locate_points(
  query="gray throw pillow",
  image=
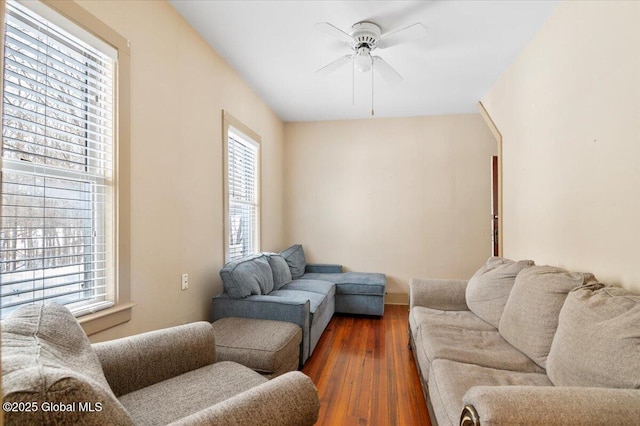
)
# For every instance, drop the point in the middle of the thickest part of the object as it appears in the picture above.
(280, 270)
(294, 256)
(530, 317)
(489, 288)
(246, 276)
(597, 343)
(47, 358)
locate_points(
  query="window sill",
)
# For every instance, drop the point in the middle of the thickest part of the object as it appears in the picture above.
(107, 318)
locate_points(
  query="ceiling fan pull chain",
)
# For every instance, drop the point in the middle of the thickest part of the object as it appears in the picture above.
(372, 65)
(353, 80)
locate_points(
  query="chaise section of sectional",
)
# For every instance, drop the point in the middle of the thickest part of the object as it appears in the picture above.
(360, 293)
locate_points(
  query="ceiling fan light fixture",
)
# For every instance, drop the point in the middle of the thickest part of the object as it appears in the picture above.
(363, 60)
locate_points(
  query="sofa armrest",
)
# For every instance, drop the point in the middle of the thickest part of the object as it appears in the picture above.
(138, 361)
(550, 405)
(287, 400)
(446, 295)
(323, 268)
(295, 310)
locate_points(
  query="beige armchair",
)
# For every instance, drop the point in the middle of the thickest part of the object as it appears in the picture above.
(51, 374)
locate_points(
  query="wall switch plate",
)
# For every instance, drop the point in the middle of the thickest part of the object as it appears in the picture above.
(185, 281)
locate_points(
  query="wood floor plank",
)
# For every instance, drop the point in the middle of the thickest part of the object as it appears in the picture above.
(365, 373)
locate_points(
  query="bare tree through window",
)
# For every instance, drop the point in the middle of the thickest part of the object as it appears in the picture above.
(242, 175)
(57, 133)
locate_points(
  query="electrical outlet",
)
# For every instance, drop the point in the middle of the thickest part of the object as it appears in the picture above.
(185, 281)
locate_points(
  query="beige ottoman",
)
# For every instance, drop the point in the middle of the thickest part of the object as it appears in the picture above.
(269, 347)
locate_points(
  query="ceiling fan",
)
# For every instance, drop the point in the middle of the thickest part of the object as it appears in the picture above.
(363, 39)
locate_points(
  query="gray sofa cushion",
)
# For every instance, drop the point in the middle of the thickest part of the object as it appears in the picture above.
(598, 340)
(246, 276)
(280, 270)
(315, 299)
(449, 381)
(353, 282)
(294, 256)
(315, 286)
(481, 347)
(419, 316)
(530, 317)
(47, 358)
(489, 288)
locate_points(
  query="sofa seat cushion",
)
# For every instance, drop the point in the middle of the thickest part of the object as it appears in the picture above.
(597, 343)
(314, 286)
(432, 318)
(450, 380)
(47, 358)
(481, 347)
(530, 317)
(489, 288)
(189, 393)
(366, 283)
(316, 300)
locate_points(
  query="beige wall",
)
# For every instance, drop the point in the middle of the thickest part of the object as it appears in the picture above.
(569, 113)
(405, 196)
(179, 87)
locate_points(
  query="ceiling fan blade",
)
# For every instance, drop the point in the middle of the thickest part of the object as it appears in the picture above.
(332, 66)
(409, 33)
(333, 31)
(386, 71)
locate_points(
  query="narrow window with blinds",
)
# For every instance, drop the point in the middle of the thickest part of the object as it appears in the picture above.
(242, 189)
(57, 217)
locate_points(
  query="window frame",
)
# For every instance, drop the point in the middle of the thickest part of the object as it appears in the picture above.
(121, 311)
(231, 123)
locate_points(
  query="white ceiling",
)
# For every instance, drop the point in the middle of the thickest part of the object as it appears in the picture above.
(274, 47)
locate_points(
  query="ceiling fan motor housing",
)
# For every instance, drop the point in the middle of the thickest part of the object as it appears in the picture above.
(365, 34)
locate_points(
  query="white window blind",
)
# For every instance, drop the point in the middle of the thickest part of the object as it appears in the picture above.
(57, 229)
(242, 188)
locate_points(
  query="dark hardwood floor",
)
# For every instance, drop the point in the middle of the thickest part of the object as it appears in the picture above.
(365, 373)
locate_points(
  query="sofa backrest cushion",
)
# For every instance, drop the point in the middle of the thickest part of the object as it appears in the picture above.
(530, 317)
(246, 276)
(489, 288)
(48, 363)
(597, 343)
(294, 256)
(280, 270)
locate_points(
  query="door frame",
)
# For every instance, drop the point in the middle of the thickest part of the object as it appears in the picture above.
(498, 137)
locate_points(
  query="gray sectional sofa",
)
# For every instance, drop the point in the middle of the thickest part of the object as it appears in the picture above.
(52, 375)
(526, 344)
(283, 287)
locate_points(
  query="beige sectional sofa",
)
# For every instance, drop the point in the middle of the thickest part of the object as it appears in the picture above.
(526, 344)
(52, 375)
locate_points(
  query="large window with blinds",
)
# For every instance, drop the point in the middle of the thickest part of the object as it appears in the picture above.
(242, 194)
(57, 215)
